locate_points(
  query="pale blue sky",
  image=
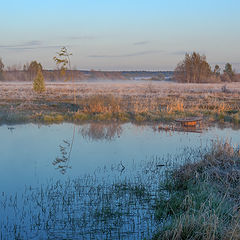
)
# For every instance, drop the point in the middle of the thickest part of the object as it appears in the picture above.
(120, 34)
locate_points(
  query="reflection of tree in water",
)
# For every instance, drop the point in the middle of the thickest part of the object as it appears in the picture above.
(99, 131)
(94, 131)
(63, 163)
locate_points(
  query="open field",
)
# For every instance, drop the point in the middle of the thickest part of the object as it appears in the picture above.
(130, 101)
(23, 90)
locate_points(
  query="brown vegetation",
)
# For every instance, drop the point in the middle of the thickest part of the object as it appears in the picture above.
(39, 83)
(195, 69)
(123, 102)
(203, 198)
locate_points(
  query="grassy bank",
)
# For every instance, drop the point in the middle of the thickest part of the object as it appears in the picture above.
(135, 102)
(201, 200)
(122, 109)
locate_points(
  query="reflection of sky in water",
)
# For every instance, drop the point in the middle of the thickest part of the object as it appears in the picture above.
(27, 152)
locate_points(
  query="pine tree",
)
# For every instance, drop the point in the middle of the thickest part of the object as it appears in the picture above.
(39, 83)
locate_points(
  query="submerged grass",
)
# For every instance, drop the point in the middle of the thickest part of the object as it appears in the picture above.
(198, 200)
(94, 206)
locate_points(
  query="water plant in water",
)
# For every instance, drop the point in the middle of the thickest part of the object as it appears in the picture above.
(90, 207)
(193, 195)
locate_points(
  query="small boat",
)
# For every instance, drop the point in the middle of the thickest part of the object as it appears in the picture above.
(189, 122)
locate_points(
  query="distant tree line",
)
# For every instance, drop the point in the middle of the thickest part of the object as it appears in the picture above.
(28, 71)
(195, 69)
(16, 74)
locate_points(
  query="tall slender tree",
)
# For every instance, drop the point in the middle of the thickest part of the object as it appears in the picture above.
(63, 63)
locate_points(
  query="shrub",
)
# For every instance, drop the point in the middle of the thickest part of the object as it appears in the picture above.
(78, 116)
(53, 118)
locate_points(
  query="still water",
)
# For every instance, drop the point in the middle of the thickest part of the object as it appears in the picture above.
(91, 181)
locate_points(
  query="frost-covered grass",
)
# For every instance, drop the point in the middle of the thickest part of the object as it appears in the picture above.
(134, 88)
(120, 101)
(203, 198)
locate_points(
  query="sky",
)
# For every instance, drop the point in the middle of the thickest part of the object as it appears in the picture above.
(120, 34)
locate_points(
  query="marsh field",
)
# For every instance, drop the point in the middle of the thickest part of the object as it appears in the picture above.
(122, 101)
(115, 165)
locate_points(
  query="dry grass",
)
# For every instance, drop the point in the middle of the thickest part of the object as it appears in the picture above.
(204, 198)
(135, 101)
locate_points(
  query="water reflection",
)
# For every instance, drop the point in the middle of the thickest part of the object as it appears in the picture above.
(87, 203)
(11, 129)
(170, 128)
(93, 131)
(224, 125)
(62, 163)
(97, 132)
(100, 131)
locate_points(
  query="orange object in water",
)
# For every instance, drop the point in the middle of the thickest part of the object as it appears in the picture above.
(186, 124)
(189, 122)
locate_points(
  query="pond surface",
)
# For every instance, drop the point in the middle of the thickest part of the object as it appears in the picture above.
(91, 181)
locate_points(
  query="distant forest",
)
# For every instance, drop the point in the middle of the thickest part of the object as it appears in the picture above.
(194, 68)
(28, 73)
(55, 75)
